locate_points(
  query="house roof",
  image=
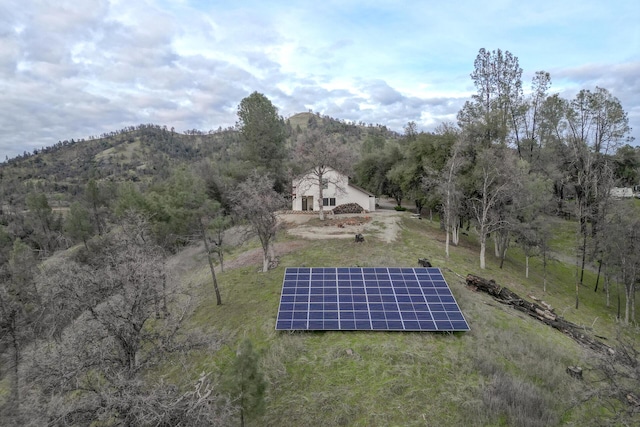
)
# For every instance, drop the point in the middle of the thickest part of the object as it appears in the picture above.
(310, 171)
(362, 190)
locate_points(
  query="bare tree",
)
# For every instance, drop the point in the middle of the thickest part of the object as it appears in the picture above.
(451, 195)
(212, 226)
(619, 374)
(19, 310)
(257, 202)
(532, 114)
(205, 239)
(96, 199)
(96, 370)
(596, 125)
(320, 155)
(497, 179)
(622, 253)
(13, 331)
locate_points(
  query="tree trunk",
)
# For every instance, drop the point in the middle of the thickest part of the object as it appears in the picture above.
(455, 233)
(97, 219)
(13, 330)
(607, 286)
(627, 304)
(633, 304)
(598, 277)
(504, 245)
(447, 229)
(265, 262)
(483, 247)
(446, 243)
(267, 256)
(526, 269)
(577, 278)
(320, 198)
(619, 302)
(582, 230)
(544, 271)
(211, 266)
(584, 256)
(165, 309)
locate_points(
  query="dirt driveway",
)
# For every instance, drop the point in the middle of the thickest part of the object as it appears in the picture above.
(382, 224)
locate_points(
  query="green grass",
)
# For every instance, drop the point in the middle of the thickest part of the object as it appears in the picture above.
(508, 370)
(123, 151)
(300, 119)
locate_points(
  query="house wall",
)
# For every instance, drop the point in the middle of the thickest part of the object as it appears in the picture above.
(620, 192)
(363, 199)
(337, 187)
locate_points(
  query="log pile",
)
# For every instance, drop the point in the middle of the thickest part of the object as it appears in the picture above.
(542, 313)
(348, 208)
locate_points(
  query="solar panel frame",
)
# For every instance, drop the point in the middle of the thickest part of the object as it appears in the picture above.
(368, 298)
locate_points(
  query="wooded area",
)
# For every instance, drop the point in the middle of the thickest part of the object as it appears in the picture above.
(86, 227)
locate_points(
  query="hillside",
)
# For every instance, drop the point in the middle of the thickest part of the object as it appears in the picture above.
(508, 370)
(141, 154)
(145, 154)
(148, 196)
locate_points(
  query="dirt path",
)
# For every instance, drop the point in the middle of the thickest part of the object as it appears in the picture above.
(383, 225)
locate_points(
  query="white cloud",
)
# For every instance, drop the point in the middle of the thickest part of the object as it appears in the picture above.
(75, 69)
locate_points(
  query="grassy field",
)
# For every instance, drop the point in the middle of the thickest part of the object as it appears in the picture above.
(508, 370)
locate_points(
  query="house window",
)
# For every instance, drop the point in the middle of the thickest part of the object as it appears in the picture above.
(325, 183)
(329, 201)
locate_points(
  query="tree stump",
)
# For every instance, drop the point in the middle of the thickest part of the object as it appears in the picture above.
(423, 262)
(575, 372)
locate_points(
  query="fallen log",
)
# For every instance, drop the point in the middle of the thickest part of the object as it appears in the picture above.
(538, 312)
(487, 286)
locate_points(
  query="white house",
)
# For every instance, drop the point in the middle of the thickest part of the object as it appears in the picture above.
(336, 191)
(621, 193)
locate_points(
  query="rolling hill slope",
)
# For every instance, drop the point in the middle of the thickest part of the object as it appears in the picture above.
(508, 370)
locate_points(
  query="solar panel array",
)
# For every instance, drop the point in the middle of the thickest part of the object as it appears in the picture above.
(377, 298)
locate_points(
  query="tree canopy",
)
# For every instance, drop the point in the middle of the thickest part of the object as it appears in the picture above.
(263, 134)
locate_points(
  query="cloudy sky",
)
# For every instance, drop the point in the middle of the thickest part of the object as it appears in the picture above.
(71, 69)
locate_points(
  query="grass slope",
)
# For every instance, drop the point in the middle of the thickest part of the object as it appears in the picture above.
(508, 370)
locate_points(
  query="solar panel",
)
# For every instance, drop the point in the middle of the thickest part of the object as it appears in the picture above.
(368, 298)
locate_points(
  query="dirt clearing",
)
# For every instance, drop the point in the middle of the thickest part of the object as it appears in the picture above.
(383, 225)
